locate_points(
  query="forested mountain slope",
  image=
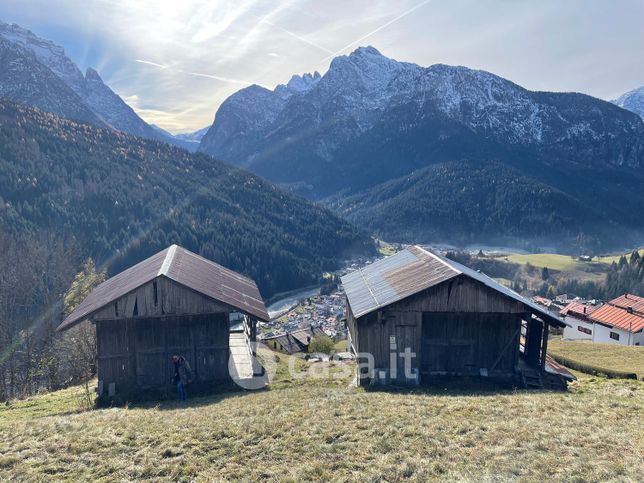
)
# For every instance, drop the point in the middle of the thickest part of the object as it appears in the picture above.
(120, 194)
(466, 202)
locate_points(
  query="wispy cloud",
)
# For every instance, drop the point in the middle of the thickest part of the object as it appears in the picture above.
(375, 31)
(222, 79)
(149, 62)
(298, 37)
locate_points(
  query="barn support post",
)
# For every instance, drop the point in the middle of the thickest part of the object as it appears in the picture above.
(525, 329)
(544, 345)
(534, 342)
(99, 368)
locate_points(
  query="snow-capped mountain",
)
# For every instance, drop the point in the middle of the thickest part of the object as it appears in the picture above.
(97, 96)
(297, 85)
(365, 93)
(24, 79)
(370, 122)
(632, 100)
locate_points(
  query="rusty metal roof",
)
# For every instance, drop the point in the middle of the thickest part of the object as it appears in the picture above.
(624, 312)
(217, 282)
(411, 271)
(553, 367)
(183, 267)
(542, 301)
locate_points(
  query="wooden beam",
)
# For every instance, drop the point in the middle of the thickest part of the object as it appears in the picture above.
(544, 345)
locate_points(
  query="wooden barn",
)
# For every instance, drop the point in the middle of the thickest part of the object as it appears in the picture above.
(452, 319)
(175, 302)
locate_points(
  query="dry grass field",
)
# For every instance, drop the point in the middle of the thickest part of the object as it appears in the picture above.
(310, 429)
(609, 356)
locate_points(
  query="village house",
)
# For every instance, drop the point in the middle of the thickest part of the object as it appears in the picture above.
(620, 321)
(173, 303)
(563, 298)
(293, 342)
(577, 315)
(546, 302)
(453, 320)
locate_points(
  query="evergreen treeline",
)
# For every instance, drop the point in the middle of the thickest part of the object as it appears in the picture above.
(625, 276)
(125, 198)
(468, 202)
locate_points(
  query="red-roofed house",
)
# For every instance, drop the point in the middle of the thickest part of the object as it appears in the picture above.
(542, 301)
(620, 321)
(580, 326)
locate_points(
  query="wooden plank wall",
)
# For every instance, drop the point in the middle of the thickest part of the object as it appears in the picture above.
(136, 354)
(460, 294)
(160, 297)
(401, 323)
(113, 354)
(464, 343)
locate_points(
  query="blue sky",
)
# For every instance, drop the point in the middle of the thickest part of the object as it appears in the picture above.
(176, 61)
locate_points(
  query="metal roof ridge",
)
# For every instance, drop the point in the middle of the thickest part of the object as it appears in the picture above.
(440, 259)
(167, 261)
(364, 280)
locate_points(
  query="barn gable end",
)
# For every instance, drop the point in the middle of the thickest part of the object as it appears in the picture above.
(161, 297)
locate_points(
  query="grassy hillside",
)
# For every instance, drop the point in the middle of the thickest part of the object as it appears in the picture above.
(325, 430)
(561, 268)
(609, 356)
(562, 262)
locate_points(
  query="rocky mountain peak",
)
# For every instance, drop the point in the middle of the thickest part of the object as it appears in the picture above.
(365, 71)
(104, 105)
(367, 51)
(368, 60)
(632, 100)
(301, 83)
(27, 38)
(92, 75)
(47, 52)
(367, 97)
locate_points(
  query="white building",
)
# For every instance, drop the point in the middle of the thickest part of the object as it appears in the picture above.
(577, 315)
(579, 329)
(620, 321)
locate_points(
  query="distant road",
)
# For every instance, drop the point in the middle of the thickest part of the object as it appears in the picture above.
(281, 306)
